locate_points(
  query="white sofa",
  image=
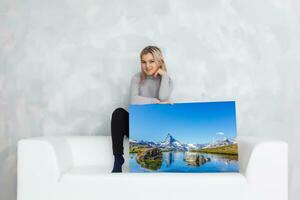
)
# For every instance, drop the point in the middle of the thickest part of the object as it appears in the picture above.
(78, 168)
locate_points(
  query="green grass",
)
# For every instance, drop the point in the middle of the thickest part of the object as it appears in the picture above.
(229, 149)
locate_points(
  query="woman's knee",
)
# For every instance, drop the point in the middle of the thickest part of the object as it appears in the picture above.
(118, 112)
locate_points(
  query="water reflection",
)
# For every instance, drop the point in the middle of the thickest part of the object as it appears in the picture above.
(188, 162)
(169, 158)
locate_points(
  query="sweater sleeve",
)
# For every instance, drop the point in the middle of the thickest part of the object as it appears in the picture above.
(166, 87)
(135, 98)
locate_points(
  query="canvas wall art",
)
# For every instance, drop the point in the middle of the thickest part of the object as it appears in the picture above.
(183, 137)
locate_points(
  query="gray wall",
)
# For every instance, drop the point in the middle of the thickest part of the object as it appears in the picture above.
(66, 64)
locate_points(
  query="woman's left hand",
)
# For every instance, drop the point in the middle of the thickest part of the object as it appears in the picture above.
(160, 72)
(165, 102)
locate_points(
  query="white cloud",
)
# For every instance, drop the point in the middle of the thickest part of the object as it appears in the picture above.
(219, 133)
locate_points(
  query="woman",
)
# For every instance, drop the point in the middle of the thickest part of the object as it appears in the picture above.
(151, 85)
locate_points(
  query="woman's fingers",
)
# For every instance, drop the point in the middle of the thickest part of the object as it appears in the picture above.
(155, 74)
(166, 102)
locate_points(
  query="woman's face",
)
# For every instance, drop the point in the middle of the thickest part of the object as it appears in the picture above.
(149, 65)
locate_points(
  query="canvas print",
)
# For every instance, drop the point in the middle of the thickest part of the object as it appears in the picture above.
(183, 137)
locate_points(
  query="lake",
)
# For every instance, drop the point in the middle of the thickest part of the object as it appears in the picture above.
(174, 162)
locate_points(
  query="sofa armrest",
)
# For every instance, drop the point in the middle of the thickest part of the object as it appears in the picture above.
(41, 162)
(265, 165)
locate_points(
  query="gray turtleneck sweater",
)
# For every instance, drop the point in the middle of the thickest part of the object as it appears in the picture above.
(151, 90)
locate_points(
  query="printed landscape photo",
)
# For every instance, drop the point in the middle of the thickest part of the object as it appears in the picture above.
(183, 137)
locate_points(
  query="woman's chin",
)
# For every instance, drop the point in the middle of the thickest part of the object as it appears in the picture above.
(149, 73)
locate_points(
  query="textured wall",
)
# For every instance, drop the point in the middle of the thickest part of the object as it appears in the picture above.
(66, 64)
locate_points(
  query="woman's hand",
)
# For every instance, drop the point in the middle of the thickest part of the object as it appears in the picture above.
(157, 101)
(160, 72)
(165, 102)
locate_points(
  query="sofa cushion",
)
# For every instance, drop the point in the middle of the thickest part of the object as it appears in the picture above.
(96, 182)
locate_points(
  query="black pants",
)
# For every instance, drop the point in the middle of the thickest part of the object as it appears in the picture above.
(119, 128)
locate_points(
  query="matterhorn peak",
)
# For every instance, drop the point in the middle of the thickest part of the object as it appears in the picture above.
(169, 138)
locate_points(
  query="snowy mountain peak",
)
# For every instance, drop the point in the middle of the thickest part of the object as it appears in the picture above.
(169, 139)
(172, 143)
(220, 143)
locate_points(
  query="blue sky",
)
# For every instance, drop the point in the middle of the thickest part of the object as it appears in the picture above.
(187, 122)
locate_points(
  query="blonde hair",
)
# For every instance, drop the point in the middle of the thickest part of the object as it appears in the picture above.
(158, 58)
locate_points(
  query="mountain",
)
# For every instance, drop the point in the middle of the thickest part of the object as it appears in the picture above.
(194, 146)
(220, 143)
(171, 143)
(142, 143)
